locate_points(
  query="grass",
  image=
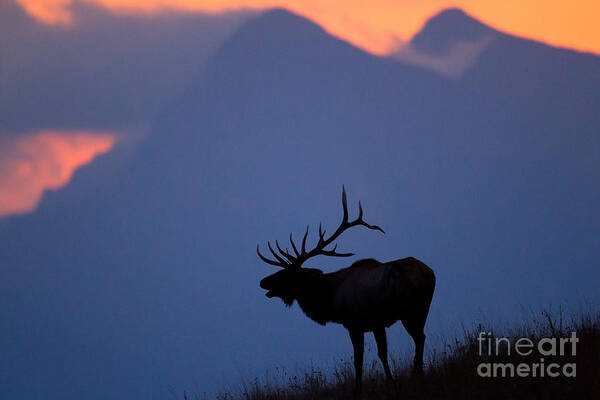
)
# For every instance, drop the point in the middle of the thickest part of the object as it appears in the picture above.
(451, 372)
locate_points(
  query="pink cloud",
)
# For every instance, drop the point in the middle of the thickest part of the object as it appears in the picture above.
(44, 160)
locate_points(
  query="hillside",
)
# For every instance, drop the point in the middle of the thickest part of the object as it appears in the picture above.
(452, 372)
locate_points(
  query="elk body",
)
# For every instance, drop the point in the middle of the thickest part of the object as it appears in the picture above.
(368, 296)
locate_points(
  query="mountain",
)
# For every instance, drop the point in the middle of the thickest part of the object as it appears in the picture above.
(141, 275)
(447, 28)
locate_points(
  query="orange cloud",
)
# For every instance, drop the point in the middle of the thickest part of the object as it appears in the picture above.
(379, 26)
(44, 160)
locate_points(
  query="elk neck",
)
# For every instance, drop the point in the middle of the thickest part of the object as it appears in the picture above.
(315, 297)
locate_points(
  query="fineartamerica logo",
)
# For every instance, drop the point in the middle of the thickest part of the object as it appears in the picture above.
(524, 347)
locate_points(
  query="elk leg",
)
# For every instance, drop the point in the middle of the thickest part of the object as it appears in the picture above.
(415, 330)
(358, 342)
(419, 339)
(381, 341)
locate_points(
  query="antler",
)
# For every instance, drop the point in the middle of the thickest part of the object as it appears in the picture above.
(287, 260)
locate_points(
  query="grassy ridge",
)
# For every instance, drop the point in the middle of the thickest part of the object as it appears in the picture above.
(452, 371)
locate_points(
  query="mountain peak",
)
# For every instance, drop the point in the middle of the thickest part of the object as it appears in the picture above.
(280, 37)
(453, 14)
(446, 28)
(278, 21)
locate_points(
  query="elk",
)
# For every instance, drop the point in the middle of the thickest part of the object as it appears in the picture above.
(368, 296)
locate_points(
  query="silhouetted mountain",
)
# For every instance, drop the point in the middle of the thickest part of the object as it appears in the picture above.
(446, 28)
(489, 179)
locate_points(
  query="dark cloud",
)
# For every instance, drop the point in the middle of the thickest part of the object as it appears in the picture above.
(105, 72)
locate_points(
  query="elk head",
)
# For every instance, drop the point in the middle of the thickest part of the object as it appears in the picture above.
(287, 282)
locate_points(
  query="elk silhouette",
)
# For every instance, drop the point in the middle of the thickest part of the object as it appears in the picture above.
(368, 296)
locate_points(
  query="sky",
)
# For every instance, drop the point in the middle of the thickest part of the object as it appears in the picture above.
(145, 152)
(381, 26)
